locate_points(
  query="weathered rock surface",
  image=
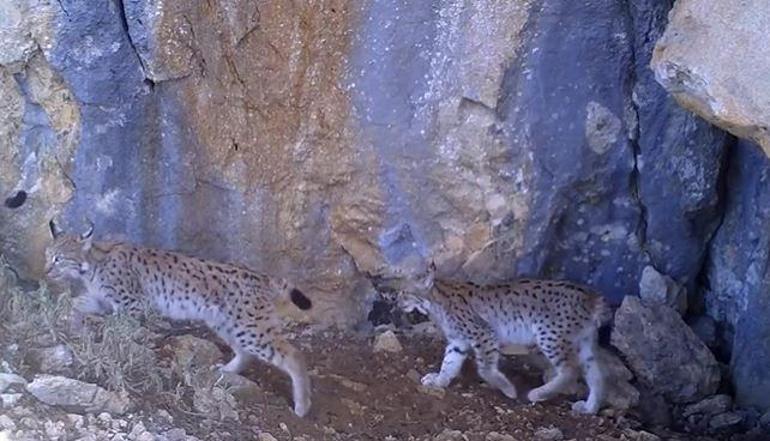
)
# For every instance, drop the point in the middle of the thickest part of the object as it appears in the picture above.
(7, 381)
(77, 395)
(659, 289)
(664, 354)
(320, 139)
(710, 406)
(695, 61)
(738, 276)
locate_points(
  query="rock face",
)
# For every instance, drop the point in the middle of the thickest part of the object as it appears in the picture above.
(322, 139)
(666, 356)
(317, 140)
(738, 275)
(695, 61)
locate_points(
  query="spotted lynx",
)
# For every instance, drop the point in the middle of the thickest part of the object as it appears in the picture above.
(236, 303)
(560, 318)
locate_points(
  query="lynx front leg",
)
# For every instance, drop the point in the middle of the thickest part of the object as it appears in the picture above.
(454, 356)
(84, 305)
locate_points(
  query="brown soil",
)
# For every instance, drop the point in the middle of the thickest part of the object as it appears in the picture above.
(362, 395)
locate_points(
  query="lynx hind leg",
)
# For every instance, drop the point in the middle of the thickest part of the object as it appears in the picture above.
(240, 361)
(559, 352)
(287, 358)
(588, 354)
(487, 353)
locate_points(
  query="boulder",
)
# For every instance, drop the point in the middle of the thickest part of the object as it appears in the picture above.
(77, 395)
(664, 354)
(695, 61)
(659, 289)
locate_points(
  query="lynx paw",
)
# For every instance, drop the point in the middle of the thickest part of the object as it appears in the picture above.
(536, 395)
(434, 379)
(583, 407)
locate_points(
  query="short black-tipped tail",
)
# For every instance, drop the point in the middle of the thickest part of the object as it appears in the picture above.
(300, 299)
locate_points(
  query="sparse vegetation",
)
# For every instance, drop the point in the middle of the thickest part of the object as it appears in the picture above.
(116, 352)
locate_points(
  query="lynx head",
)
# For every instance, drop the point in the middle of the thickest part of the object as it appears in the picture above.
(409, 291)
(67, 256)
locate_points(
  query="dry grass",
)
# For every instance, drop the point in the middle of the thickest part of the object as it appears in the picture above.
(119, 354)
(116, 352)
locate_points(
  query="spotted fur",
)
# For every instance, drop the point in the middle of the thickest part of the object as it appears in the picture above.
(560, 318)
(236, 303)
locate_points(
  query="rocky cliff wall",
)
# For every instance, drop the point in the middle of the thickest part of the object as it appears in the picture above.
(322, 139)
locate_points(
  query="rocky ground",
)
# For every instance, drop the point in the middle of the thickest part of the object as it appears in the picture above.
(125, 381)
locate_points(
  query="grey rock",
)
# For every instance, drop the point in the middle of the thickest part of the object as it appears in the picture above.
(710, 406)
(10, 400)
(725, 421)
(77, 395)
(549, 434)
(664, 354)
(450, 435)
(640, 435)
(658, 289)
(6, 423)
(7, 381)
(496, 436)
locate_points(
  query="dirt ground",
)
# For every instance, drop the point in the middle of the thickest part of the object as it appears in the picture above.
(358, 393)
(363, 395)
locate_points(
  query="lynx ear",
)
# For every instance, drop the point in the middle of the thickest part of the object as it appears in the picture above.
(55, 230)
(89, 232)
(432, 267)
(87, 237)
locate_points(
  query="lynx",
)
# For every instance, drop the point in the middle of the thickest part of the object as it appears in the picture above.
(237, 304)
(560, 318)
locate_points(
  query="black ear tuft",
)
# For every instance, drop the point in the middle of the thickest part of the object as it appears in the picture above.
(16, 200)
(300, 300)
